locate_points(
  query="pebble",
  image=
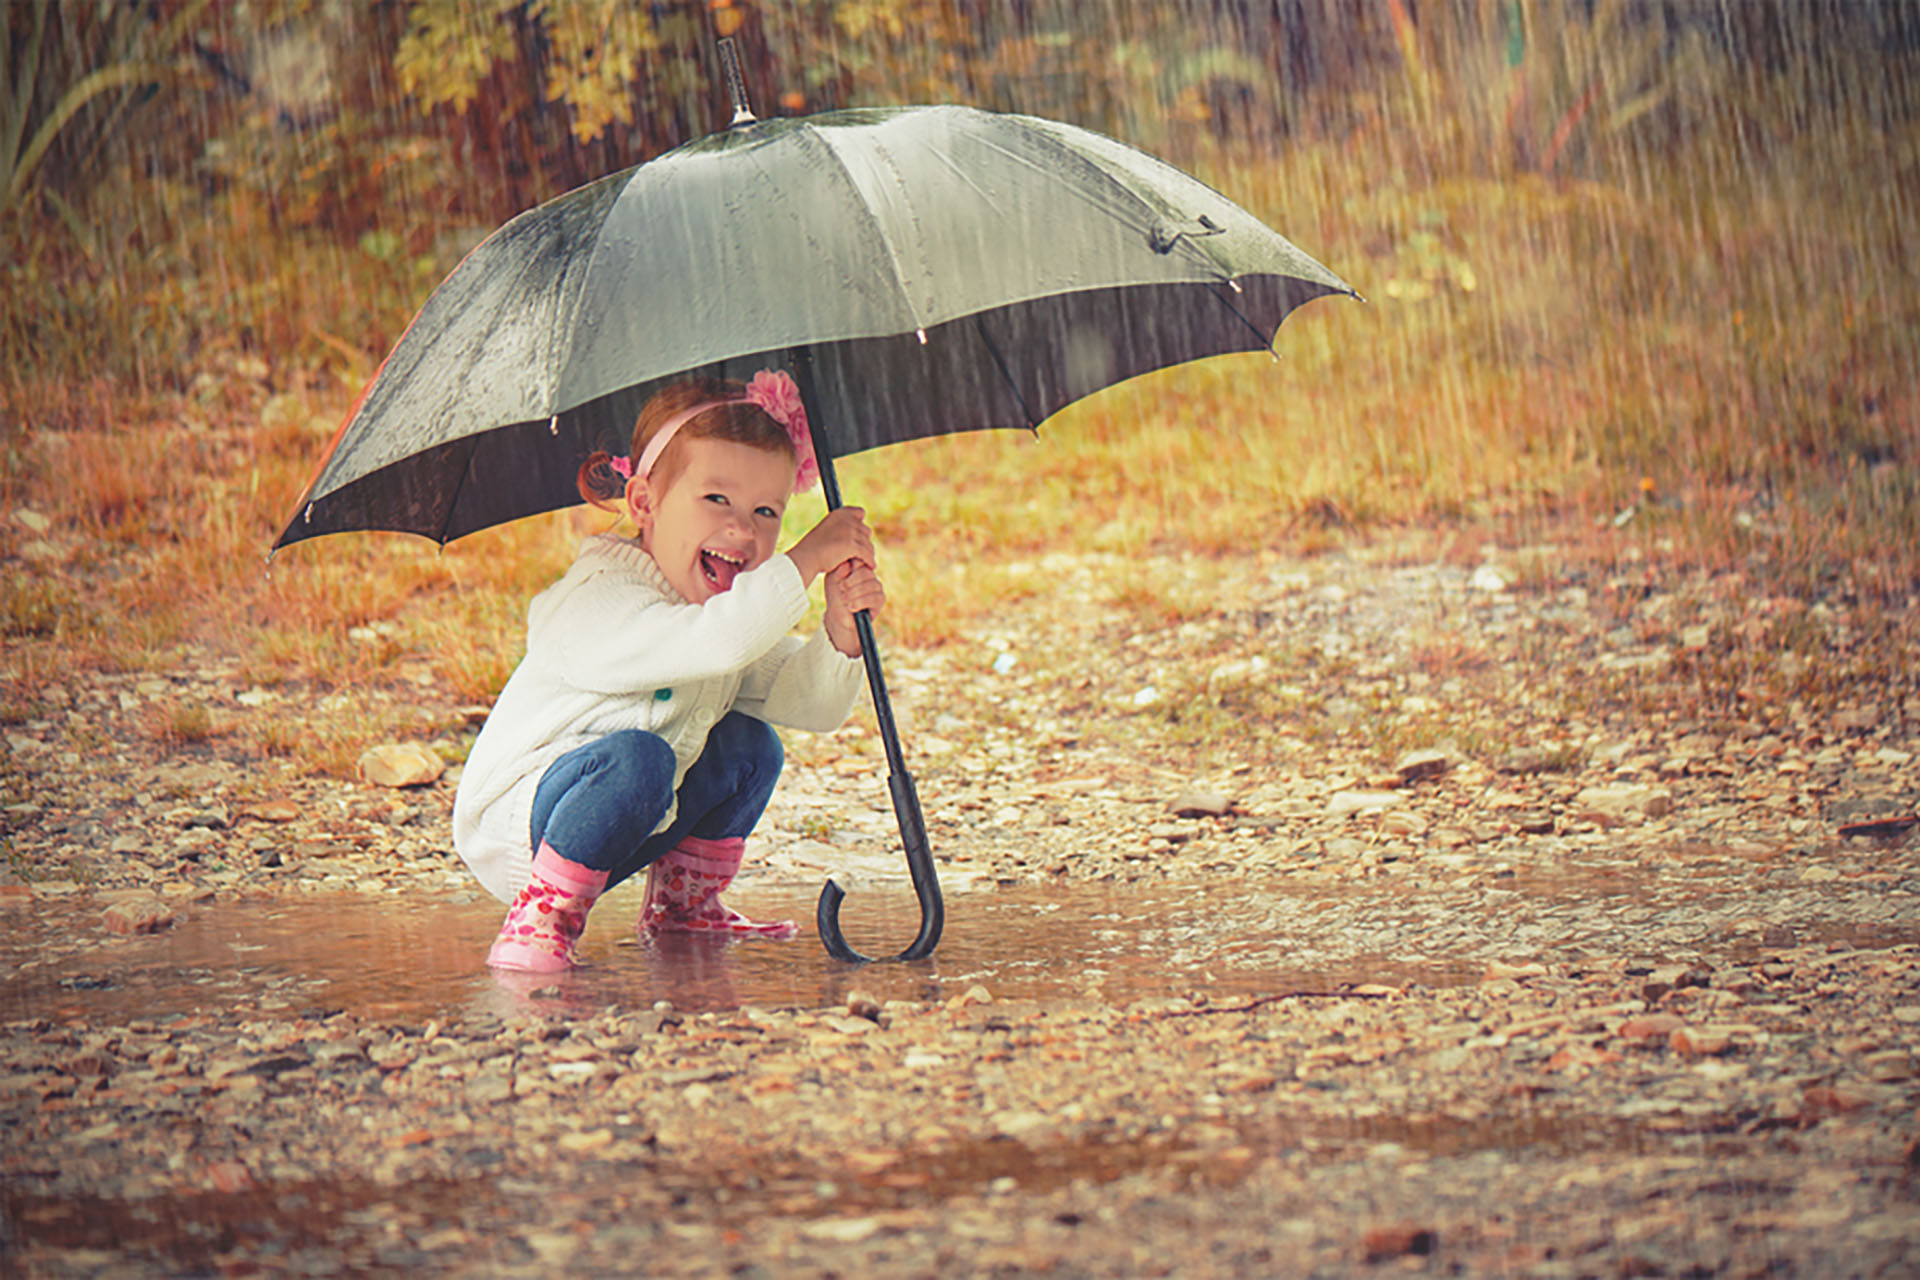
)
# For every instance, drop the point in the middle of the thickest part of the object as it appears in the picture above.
(1415, 766)
(1344, 803)
(1201, 804)
(1623, 801)
(402, 764)
(139, 914)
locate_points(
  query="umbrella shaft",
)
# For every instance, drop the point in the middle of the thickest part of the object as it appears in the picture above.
(906, 797)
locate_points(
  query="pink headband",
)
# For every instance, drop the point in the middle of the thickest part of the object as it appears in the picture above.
(774, 393)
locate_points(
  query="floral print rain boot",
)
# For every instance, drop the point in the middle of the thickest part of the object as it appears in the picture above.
(547, 917)
(683, 892)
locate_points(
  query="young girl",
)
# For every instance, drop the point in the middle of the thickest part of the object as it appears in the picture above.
(635, 733)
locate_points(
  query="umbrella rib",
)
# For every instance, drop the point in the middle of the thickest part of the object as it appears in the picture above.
(453, 501)
(1000, 363)
(1266, 340)
(860, 202)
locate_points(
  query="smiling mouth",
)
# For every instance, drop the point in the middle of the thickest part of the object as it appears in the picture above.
(720, 569)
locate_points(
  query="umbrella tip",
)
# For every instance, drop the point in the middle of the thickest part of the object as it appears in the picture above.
(736, 84)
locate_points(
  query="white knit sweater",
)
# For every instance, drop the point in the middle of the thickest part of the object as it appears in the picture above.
(613, 646)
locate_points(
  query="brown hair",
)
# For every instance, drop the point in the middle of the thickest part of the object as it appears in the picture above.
(734, 420)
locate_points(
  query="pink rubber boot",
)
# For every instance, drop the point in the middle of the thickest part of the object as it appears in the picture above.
(548, 915)
(683, 892)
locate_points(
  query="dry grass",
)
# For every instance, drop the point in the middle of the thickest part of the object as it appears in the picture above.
(1729, 320)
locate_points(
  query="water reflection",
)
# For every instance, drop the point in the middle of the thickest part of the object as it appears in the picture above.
(419, 959)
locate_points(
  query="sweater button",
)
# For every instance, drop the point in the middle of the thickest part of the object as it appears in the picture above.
(662, 695)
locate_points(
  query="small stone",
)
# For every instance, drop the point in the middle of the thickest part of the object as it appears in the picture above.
(1699, 1042)
(582, 1143)
(229, 1176)
(401, 764)
(841, 1230)
(862, 1005)
(848, 1026)
(489, 1086)
(1498, 969)
(1625, 801)
(1403, 824)
(1416, 765)
(143, 914)
(215, 818)
(1343, 803)
(1017, 1123)
(1888, 1067)
(1382, 1243)
(1779, 935)
(1856, 719)
(1651, 1026)
(1528, 760)
(1202, 804)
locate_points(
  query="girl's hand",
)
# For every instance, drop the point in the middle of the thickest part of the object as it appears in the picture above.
(851, 587)
(841, 536)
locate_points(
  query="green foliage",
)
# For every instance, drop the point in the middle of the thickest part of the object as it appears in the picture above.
(593, 56)
(62, 62)
(451, 47)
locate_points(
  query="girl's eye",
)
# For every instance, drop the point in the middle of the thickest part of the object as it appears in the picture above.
(768, 512)
(720, 498)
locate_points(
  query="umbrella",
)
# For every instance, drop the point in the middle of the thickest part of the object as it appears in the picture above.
(922, 271)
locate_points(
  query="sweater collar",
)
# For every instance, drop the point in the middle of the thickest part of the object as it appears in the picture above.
(628, 554)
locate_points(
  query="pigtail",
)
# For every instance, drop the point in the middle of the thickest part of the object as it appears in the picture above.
(601, 483)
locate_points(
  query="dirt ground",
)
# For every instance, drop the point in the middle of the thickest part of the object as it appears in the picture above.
(1466, 915)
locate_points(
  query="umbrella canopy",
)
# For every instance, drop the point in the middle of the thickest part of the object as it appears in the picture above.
(947, 269)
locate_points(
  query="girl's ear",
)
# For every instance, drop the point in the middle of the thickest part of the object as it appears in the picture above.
(640, 503)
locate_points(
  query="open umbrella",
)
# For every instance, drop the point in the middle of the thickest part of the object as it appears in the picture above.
(922, 271)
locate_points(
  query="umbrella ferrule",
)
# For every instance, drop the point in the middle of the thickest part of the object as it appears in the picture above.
(736, 85)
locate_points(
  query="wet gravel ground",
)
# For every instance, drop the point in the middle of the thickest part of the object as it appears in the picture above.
(1522, 939)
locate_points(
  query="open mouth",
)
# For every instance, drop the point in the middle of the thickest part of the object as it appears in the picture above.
(720, 569)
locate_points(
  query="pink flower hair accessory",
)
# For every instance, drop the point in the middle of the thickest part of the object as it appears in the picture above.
(775, 391)
(775, 394)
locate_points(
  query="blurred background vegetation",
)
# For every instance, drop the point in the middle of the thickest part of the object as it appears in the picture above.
(1639, 269)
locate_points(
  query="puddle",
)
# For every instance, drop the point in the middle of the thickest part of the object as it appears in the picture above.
(416, 959)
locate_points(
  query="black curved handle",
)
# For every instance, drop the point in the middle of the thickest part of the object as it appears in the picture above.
(926, 884)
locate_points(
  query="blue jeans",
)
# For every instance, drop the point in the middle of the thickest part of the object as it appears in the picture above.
(598, 805)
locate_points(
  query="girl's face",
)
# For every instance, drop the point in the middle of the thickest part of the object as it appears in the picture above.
(717, 519)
